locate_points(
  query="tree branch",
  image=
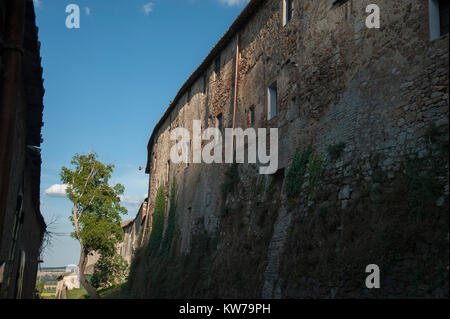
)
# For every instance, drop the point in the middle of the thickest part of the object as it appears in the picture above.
(87, 180)
(90, 202)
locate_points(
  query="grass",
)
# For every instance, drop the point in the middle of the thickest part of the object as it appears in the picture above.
(83, 294)
(111, 292)
(77, 294)
(80, 293)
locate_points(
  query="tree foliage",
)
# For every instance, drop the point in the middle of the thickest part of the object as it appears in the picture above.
(97, 206)
(109, 271)
(40, 286)
(96, 211)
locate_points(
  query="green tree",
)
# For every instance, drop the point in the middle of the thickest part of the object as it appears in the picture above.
(96, 210)
(109, 271)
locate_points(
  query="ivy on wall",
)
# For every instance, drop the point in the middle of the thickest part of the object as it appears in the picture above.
(170, 230)
(296, 173)
(158, 221)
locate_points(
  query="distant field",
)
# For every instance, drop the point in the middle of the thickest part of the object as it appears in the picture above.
(50, 291)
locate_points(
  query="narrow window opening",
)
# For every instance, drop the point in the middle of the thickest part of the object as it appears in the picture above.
(168, 170)
(272, 101)
(288, 10)
(188, 153)
(252, 115)
(217, 68)
(338, 3)
(220, 122)
(443, 16)
(205, 82)
(189, 95)
(438, 17)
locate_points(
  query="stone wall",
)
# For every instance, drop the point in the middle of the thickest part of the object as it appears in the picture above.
(377, 93)
(132, 234)
(22, 216)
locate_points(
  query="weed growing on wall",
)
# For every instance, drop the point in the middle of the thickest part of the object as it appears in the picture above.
(423, 175)
(397, 219)
(231, 179)
(170, 230)
(295, 175)
(335, 151)
(316, 168)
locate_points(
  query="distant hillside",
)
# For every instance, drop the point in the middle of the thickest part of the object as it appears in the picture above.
(50, 269)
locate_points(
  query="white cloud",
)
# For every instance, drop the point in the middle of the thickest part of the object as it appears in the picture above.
(87, 10)
(234, 2)
(148, 8)
(37, 3)
(57, 190)
(132, 200)
(135, 183)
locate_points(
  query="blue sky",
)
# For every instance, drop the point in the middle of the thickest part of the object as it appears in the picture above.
(109, 82)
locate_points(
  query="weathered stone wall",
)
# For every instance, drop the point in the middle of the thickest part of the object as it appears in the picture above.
(132, 230)
(377, 92)
(24, 187)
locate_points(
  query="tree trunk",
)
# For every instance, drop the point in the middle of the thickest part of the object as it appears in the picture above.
(82, 265)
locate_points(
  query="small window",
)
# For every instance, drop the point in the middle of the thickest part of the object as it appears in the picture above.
(346, 7)
(220, 122)
(438, 16)
(443, 16)
(252, 115)
(168, 171)
(188, 153)
(338, 3)
(288, 9)
(189, 95)
(205, 83)
(272, 108)
(217, 67)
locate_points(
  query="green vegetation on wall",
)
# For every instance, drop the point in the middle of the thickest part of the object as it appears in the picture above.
(158, 221)
(296, 173)
(397, 219)
(231, 179)
(333, 243)
(422, 174)
(335, 151)
(170, 230)
(316, 168)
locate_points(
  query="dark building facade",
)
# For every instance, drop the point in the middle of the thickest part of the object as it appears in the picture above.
(22, 226)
